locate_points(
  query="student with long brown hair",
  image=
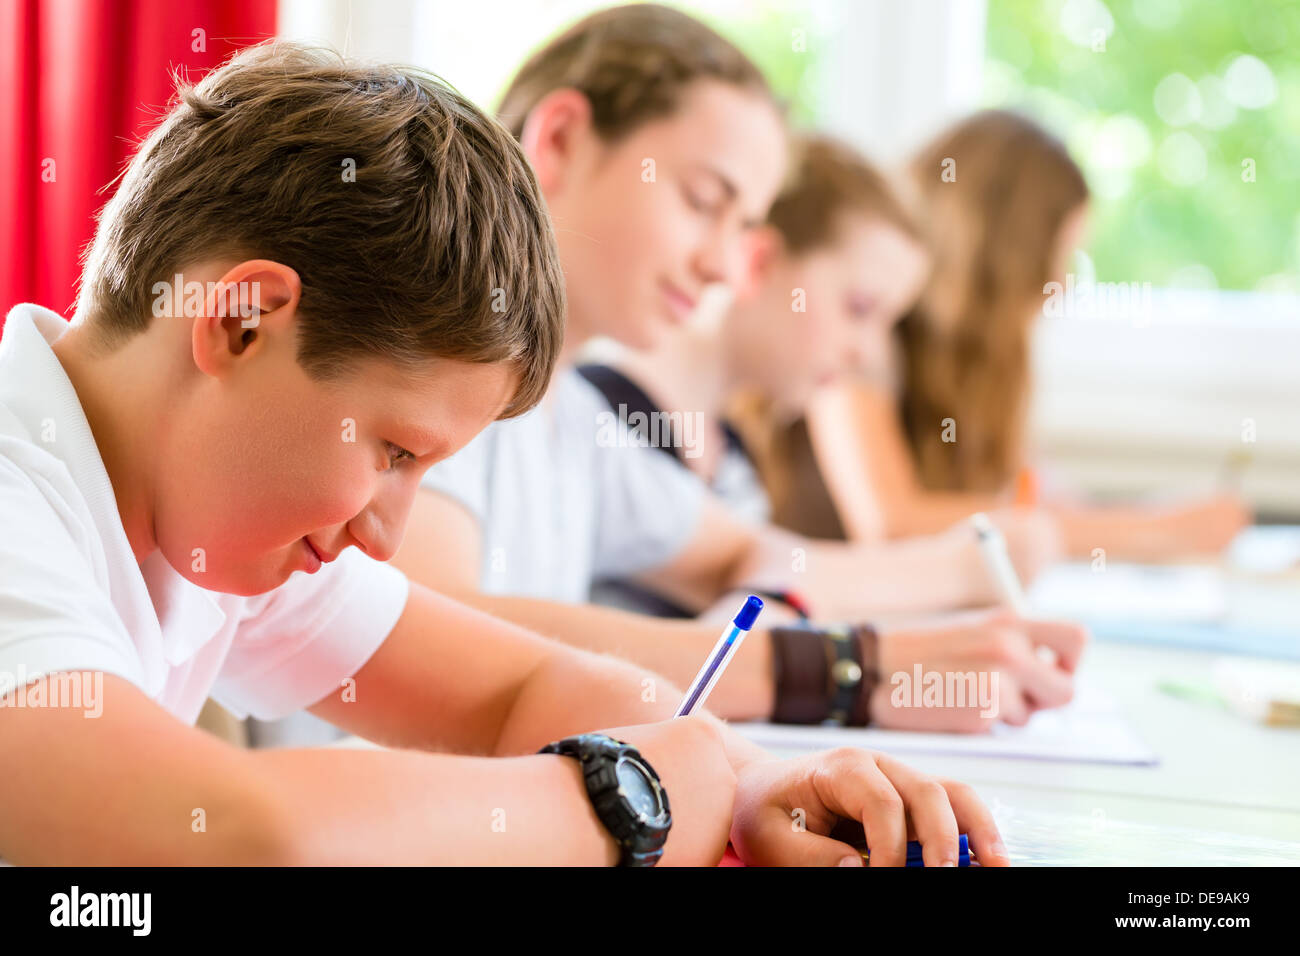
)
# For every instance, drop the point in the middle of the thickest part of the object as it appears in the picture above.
(942, 433)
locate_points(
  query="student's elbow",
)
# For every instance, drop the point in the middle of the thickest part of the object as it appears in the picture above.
(267, 835)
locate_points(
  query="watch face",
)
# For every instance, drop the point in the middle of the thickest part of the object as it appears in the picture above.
(637, 787)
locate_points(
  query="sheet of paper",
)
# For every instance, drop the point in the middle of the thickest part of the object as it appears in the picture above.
(1038, 838)
(1193, 606)
(1266, 549)
(1131, 592)
(1091, 729)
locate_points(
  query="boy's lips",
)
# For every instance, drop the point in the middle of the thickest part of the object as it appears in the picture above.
(315, 558)
(681, 304)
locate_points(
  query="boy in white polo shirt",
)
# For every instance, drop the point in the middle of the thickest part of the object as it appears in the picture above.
(289, 313)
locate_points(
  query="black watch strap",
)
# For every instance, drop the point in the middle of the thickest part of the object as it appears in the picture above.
(639, 836)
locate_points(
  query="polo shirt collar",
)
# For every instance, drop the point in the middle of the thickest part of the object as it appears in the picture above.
(34, 386)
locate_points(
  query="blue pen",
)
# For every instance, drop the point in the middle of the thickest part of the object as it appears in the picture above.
(720, 657)
(914, 852)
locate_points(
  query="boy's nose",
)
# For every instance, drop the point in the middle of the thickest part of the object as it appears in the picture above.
(379, 529)
(722, 259)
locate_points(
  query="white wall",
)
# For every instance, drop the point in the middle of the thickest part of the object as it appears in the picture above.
(900, 71)
(1124, 406)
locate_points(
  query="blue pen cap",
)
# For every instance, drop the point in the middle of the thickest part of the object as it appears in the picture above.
(749, 613)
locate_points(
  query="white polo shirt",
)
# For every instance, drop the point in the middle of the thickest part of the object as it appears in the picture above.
(565, 498)
(73, 597)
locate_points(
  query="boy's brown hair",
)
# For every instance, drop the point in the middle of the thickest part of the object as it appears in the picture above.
(413, 219)
(632, 63)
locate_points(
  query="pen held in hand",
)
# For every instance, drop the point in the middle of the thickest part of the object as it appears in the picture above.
(720, 657)
(993, 547)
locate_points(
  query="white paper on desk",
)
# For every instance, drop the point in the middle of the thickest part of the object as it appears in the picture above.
(1038, 838)
(1091, 729)
(1266, 549)
(1131, 592)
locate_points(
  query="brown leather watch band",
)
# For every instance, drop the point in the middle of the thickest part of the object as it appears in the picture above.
(801, 673)
(824, 674)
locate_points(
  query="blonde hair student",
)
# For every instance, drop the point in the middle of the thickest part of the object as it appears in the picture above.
(1000, 230)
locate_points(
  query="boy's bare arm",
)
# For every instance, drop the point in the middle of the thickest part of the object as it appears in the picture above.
(134, 786)
(842, 581)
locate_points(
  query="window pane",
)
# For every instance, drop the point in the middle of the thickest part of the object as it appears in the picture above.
(1185, 116)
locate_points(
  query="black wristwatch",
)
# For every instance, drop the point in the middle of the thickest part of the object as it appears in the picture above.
(625, 792)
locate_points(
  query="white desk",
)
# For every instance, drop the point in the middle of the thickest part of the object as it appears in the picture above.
(1217, 772)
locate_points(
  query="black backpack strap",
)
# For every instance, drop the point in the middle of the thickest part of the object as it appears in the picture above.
(618, 390)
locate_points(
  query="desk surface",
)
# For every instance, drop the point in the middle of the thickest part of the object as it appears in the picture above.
(1217, 772)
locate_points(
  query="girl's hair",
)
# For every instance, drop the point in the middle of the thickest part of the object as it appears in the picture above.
(633, 63)
(829, 183)
(995, 191)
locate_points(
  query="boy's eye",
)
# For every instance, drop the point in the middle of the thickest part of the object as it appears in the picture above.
(861, 308)
(397, 454)
(700, 202)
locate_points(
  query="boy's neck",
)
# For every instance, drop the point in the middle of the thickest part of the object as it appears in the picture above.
(125, 420)
(687, 373)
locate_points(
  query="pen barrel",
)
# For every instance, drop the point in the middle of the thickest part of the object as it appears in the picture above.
(994, 548)
(712, 670)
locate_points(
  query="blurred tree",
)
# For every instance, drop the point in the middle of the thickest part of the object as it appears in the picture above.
(1185, 115)
(782, 37)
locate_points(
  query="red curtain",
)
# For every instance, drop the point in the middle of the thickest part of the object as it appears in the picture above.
(81, 83)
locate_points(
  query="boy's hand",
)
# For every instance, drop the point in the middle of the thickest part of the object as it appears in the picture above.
(692, 763)
(785, 810)
(995, 656)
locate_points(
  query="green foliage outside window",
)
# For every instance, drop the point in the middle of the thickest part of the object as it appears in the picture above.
(1185, 115)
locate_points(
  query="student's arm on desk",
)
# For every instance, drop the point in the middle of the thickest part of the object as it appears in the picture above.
(1153, 533)
(864, 458)
(124, 788)
(439, 528)
(867, 464)
(446, 665)
(447, 675)
(841, 580)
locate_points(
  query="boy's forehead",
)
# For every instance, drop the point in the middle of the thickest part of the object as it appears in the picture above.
(731, 132)
(405, 390)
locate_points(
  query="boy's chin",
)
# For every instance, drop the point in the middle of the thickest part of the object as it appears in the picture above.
(247, 581)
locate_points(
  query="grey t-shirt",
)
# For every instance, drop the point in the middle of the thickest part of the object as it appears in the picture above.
(566, 494)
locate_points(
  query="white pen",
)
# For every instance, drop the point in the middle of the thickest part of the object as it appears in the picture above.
(994, 549)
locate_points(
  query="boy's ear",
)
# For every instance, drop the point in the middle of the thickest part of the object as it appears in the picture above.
(763, 247)
(553, 132)
(249, 301)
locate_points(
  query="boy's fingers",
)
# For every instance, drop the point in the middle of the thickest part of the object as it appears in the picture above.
(1044, 684)
(976, 821)
(792, 847)
(1012, 708)
(929, 809)
(1067, 640)
(860, 790)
